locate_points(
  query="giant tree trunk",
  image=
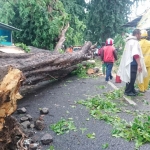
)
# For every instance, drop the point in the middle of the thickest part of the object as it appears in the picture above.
(44, 65)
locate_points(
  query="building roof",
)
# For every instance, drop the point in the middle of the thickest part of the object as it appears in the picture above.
(8, 27)
(133, 23)
(144, 23)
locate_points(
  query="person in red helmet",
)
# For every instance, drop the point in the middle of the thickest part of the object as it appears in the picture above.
(109, 56)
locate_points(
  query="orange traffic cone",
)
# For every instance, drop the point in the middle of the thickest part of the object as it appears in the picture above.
(118, 80)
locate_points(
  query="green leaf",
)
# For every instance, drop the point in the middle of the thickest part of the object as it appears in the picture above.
(63, 126)
(102, 87)
(104, 146)
(87, 119)
(91, 136)
(83, 130)
(51, 148)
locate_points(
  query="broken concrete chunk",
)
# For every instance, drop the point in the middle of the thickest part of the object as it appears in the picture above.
(26, 124)
(35, 139)
(32, 126)
(44, 111)
(31, 133)
(39, 124)
(21, 110)
(23, 119)
(46, 139)
(29, 117)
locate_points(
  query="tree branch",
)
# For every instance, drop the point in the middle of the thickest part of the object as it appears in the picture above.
(62, 38)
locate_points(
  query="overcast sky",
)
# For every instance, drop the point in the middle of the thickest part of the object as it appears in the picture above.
(137, 11)
(140, 9)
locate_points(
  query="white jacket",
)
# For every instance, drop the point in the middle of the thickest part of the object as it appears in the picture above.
(132, 48)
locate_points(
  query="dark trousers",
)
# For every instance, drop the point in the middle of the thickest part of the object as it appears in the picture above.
(109, 67)
(130, 86)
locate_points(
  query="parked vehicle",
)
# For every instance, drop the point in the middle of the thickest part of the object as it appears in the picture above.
(76, 48)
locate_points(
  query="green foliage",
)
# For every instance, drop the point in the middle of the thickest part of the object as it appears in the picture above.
(2, 39)
(6, 11)
(61, 51)
(138, 130)
(97, 103)
(106, 17)
(63, 126)
(51, 148)
(104, 146)
(83, 129)
(81, 70)
(75, 34)
(23, 46)
(42, 21)
(119, 42)
(101, 87)
(104, 109)
(91, 136)
(43, 28)
(114, 95)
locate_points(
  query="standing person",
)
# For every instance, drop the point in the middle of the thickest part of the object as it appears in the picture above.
(99, 54)
(145, 46)
(132, 64)
(109, 56)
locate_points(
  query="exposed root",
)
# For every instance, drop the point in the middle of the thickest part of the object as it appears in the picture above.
(21, 141)
(12, 136)
(9, 93)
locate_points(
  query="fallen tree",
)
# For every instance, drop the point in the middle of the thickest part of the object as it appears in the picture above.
(44, 65)
(26, 70)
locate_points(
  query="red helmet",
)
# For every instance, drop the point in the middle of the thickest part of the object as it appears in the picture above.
(109, 41)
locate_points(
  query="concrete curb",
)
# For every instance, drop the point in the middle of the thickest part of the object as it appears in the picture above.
(125, 97)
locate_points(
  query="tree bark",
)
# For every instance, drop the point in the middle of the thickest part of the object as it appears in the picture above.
(43, 65)
(30, 69)
(62, 38)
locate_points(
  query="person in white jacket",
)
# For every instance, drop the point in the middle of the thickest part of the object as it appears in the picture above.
(132, 64)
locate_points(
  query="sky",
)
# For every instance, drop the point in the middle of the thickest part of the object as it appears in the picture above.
(140, 9)
(137, 11)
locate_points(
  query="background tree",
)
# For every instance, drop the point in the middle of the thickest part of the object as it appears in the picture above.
(105, 18)
(76, 10)
(42, 21)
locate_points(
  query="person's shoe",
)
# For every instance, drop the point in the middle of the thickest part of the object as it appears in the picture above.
(136, 92)
(130, 94)
(111, 77)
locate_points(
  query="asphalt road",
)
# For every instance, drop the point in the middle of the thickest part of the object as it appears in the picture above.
(59, 97)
